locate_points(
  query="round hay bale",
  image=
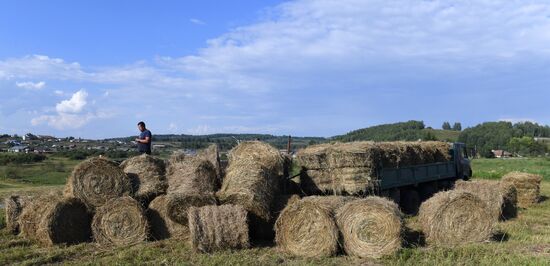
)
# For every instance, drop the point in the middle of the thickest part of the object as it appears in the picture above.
(455, 217)
(53, 220)
(97, 180)
(252, 177)
(527, 187)
(192, 175)
(307, 227)
(161, 226)
(120, 222)
(147, 175)
(14, 205)
(370, 227)
(214, 228)
(178, 204)
(500, 197)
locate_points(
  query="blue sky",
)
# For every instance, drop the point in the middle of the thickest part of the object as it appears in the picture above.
(306, 67)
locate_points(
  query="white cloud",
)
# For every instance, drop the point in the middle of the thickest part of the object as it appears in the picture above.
(59, 92)
(31, 85)
(69, 113)
(197, 21)
(73, 105)
(63, 121)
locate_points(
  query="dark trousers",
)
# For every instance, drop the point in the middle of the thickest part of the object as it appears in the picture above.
(147, 152)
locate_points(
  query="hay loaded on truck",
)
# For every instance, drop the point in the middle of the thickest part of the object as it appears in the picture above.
(407, 172)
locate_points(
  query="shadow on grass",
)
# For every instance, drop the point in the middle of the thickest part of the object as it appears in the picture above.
(414, 238)
(500, 236)
(543, 198)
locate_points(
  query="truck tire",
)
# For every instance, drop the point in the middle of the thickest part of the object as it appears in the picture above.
(410, 201)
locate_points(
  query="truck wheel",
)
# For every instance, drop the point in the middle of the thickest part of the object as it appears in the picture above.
(410, 201)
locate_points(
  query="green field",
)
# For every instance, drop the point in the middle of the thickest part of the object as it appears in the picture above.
(524, 240)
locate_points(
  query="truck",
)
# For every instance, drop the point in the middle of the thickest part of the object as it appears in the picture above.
(407, 185)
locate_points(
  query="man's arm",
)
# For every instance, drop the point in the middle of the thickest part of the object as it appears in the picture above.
(144, 141)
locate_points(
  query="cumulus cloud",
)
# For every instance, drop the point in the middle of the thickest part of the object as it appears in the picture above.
(31, 85)
(73, 105)
(69, 113)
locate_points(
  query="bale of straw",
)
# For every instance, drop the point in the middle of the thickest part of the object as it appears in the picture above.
(212, 154)
(14, 205)
(178, 204)
(120, 222)
(147, 175)
(214, 228)
(527, 186)
(252, 178)
(192, 175)
(308, 228)
(53, 220)
(161, 226)
(351, 167)
(455, 217)
(97, 180)
(500, 197)
(370, 227)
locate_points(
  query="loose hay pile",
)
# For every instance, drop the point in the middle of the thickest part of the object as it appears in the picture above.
(178, 204)
(161, 226)
(192, 175)
(147, 175)
(120, 222)
(14, 206)
(252, 177)
(527, 186)
(351, 167)
(454, 218)
(370, 227)
(307, 227)
(52, 220)
(500, 197)
(97, 180)
(214, 228)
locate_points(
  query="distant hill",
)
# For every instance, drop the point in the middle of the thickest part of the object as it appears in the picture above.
(408, 131)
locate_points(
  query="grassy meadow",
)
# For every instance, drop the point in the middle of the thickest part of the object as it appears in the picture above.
(524, 240)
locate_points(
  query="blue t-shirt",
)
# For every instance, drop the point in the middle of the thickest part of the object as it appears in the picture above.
(142, 147)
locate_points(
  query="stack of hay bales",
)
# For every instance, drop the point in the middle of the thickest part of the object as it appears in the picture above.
(252, 180)
(456, 217)
(214, 228)
(147, 175)
(96, 181)
(52, 220)
(120, 221)
(14, 205)
(527, 186)
(317, 226)
(500, 197)
(351, 167)
(192, 182)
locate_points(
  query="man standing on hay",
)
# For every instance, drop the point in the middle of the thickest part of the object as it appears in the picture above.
(144, 140)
